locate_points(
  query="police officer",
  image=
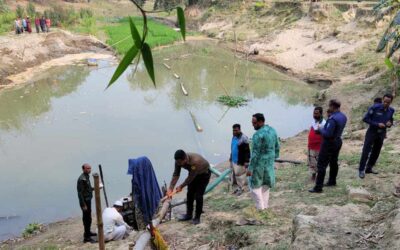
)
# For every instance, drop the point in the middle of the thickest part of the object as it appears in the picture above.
(379, 117)
(330, 148)
(85, 195)
(197, 181)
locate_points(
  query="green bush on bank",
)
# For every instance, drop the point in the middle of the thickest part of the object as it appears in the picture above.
(6, 22)
(158, 34)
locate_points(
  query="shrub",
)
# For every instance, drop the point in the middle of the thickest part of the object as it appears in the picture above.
(85, 13)
(31, 10)
(3, 7)
(20, 11)
(7, 21)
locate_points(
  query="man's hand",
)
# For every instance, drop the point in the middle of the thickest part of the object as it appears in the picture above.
(249, 173)
(179, 189)
(389, 124)
(381, 125)
(84, 208)
(169, 193)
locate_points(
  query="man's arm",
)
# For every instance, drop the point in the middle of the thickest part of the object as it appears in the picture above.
(189, 179)
(277, 146)
(368, 117)
(329, 129)
(175, 177)
(255, 152)
(80, 188)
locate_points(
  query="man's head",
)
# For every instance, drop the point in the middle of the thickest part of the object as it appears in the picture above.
(180, 158)
(387, 100)
(236, 130)
(86, 168)
(318, 113)
(258, 121)
(377, 100)
(334, 105)
(118, 205)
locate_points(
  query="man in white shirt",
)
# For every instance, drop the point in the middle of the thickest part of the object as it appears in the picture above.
(115, 227)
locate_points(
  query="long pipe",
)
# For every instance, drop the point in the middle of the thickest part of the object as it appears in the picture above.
(146, 236)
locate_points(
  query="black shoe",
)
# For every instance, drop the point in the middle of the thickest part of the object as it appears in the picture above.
(196, 221)
(185, 217)
(92, 234)
(330, 184)
(315, 190)
(371, 171)
(361, 174)
(88, 240)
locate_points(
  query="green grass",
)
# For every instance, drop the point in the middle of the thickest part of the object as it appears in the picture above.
(158, 34)
(31, 229)
(6, 22)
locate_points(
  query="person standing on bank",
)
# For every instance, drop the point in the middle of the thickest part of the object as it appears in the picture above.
(315, 141)
(330, 148)
(239, 158)
(379, 117)
(85, 195)
(197, 181)
(264, 151)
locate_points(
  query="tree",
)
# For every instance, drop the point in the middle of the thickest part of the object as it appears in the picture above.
(31, 10)
(390, 39)
(20, 12)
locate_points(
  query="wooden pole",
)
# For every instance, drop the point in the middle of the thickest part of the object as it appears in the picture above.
(98, 211)
(104, 185)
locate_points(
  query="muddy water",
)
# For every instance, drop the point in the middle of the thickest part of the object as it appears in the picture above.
(52, 125)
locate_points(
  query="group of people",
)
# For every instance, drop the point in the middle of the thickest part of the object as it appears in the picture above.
(25, 25)
(325, 140)
(115, 228)
(253, 165)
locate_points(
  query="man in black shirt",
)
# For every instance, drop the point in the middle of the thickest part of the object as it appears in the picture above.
(85, 195)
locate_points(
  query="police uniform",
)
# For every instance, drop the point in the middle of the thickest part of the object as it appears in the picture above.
(85, 195)
(374, 136)
(197, 181)
(330, 148)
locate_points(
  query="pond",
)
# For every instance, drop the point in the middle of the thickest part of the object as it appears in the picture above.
(64, 118)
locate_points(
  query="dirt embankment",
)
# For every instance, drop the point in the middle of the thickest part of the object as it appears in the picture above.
(23, 56)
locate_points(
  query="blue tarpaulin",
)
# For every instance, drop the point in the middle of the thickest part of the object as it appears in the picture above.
(145, 189)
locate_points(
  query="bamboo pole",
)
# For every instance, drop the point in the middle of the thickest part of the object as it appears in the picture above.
(98, 211)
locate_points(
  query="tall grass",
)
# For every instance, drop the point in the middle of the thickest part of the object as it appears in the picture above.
(158, 34)
(7, 22)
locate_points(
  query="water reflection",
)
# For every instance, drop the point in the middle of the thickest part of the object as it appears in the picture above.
(210, 72)
(19, 106)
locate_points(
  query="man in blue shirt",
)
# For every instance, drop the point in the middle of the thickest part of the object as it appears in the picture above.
(330, 148)
(239, 159)
(379, 117)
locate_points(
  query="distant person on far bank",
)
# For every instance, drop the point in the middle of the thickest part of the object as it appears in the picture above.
(85, 195)
(115, 228)
(48, 24)
(24, 24)
(379, 117)
(264, 151)
(37, 24)
(315, 141)
(43, 24)
(28, 25)
(197, 181)
(239, 159)
(330, 147)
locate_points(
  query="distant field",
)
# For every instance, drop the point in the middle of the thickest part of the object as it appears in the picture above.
(158, 34)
